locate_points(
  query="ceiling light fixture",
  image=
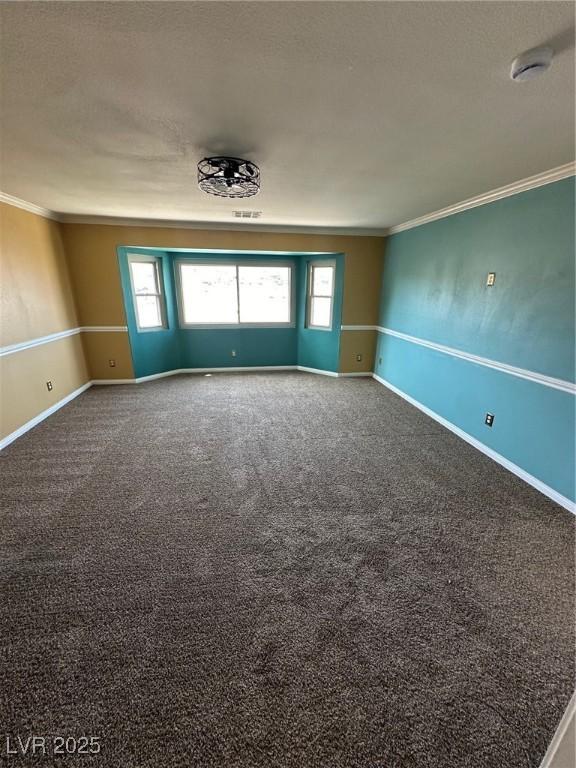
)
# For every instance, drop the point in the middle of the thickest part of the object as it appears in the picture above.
(228, 177)
(531, 64)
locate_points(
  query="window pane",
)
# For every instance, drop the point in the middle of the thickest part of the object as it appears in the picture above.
(148, 308)
(323, 279)
(144, 276)
(264, 294)
(209, 293)
(320, 312)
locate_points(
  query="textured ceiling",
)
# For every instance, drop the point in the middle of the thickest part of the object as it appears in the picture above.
(360, 114)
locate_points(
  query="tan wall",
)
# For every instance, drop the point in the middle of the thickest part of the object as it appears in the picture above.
(23, 377)
(35, 300)
(36, 295)
(93, 264)
(362, 276)
(102, 347)
(354, 343)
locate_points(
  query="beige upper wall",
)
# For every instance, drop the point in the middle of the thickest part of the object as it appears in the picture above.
(93, 263)
(36, 296)
(36, 300)
(362, 282)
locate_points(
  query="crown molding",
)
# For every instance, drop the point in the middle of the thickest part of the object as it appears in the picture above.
(111, 221)
(539, 180)
(26, 206)
(119, 221)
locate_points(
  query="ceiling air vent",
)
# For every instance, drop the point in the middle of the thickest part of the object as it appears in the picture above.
(247, 214)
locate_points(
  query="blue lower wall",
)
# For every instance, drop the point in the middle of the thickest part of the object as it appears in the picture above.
(534, 424)
(253, 346)
(434, 288)
(317, 348)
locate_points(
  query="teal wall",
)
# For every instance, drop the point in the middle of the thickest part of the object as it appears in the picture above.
(175, 347)
(434, 288)
(152, 351)
(317, 348)
(207, 348)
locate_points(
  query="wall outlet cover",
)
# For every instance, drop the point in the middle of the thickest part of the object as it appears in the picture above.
(49, 386)
(491, 279)
(489, 419)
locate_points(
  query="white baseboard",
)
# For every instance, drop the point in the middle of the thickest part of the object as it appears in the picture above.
(305, 369)
(41, 416)
(163, 375)
(561, 733)
(243, 369)
(239, 369)
(177, 371)
(563, 501)
(335, 374)
(99, 382)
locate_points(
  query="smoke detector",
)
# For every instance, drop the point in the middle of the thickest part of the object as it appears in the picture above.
(531, 64)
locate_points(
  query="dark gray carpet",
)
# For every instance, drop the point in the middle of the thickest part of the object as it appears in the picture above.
(286, 570)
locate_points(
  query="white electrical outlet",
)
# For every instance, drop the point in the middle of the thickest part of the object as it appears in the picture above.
(233, 353)
(491, 279)
(112, 363)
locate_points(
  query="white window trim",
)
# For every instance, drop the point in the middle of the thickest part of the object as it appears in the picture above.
(234, 263)
(309, 286)
(157, 261)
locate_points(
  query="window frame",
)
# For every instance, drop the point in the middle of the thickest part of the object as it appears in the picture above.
(160, 296)
(178, 263)
(312, 265)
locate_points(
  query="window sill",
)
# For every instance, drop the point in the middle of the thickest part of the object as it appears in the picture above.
(233, 326)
